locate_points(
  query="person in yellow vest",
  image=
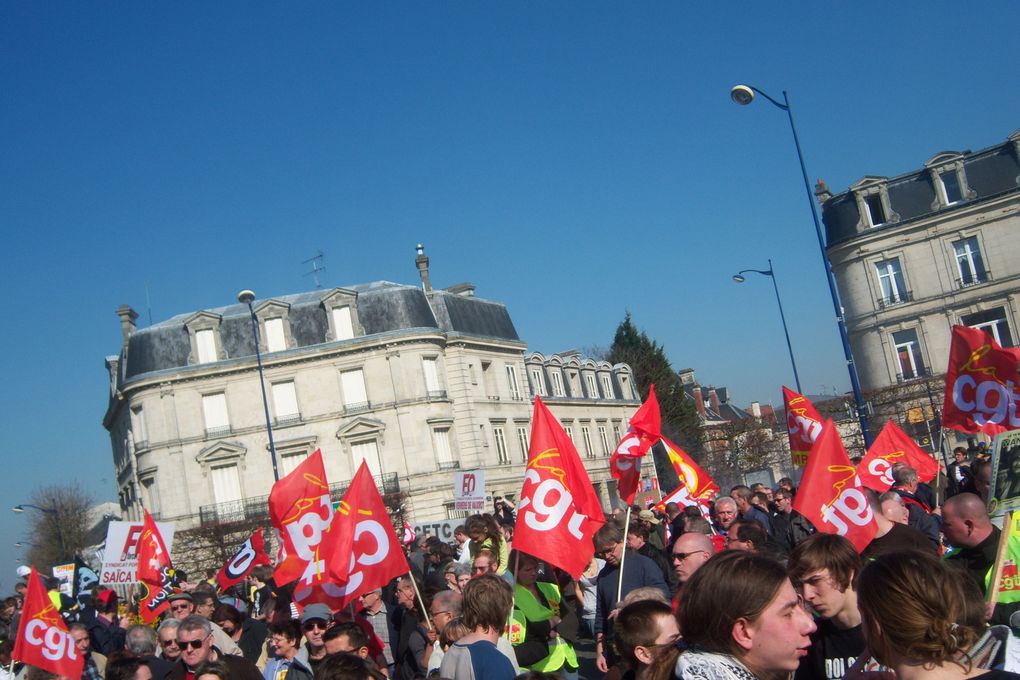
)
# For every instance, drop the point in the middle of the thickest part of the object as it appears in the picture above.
(537, 614)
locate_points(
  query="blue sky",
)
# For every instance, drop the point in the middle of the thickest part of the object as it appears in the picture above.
(574, 160)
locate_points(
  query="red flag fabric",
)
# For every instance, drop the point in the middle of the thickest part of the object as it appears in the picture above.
(301, 511)
(366, 547)
(890, 447)
(981, 384)
(155, 571)
(830, 492)
(625, 463)
(697, 488)
(251, 553)
(43, 639)
(804, 424)
(559, 511)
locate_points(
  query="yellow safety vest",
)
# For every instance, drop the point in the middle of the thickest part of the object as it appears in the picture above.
(528, 608)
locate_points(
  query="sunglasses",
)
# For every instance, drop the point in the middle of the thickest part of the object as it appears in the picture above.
(177, 607)
(681, 556)
(167, 643)
(312, 625)
(193, 644)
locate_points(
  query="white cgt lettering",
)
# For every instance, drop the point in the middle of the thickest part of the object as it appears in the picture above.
(807, 429)
(989, 402)
(542, 515)
(306, 534)
(382, 548)
(55, 643)
(850, 508)
(881, 468)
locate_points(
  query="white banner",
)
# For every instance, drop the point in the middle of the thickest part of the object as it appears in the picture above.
(121, 552)
(469, 490)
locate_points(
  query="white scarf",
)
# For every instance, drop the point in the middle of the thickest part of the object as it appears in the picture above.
(697, 664)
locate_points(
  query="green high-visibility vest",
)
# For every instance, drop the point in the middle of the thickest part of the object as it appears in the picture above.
(528, 608)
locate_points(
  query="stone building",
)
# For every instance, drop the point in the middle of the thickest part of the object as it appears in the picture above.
(918, 253)
(418, 382)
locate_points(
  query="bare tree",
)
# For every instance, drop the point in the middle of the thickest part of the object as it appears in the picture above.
(59, 521)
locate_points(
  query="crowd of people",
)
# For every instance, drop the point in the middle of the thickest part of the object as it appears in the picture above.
(745, 590)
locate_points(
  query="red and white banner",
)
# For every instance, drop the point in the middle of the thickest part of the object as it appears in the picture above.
(43, 640)
(559, 511)
(890, 447)
(804, 424)
(251, 553)
(155, 572)
(697, 488)
(366, 547)
(301, 511)
(831, 495)
(981, 384)
(625, 463)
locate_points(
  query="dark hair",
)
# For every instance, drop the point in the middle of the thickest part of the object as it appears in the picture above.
(123, 668)
(731, 585)
(485, 525)
(347, 667)
(218, 668)
(637, 624)
(487, 602)
(227, 612)
(639, 530)
(749, 530)
(825, 551)
(608, 534)
(352, 631)
(289, 627)
(742, 491)
(262, 572)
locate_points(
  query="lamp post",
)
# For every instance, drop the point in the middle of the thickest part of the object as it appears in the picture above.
(770, 272)
(55, 514)
(744, 95)
(246, 297)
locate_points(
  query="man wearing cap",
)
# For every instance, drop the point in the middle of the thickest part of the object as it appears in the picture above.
(316, 619)
(182, 605)
(656, 531)
(106, 632)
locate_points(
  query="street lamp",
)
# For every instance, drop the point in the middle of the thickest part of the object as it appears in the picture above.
(246, 297)
(52, 512)
(738, 277)
(744, 95)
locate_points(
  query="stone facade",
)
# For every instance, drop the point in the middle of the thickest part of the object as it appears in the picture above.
(417, 382)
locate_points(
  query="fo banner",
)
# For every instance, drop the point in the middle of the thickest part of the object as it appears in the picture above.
(469, 491)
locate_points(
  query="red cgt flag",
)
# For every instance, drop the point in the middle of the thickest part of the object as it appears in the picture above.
(301, 511)
(251, 553)
(155, 572)
(43, 639)
(830, 493)
(804, 424)
(559, 511)
(981, 384)
(697, 488)
(625, 463)
(366, 549)
(890, 447)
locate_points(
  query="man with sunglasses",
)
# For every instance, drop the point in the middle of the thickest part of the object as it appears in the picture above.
(316, 619)
(195, 639)
(690, 551)
(182, 605)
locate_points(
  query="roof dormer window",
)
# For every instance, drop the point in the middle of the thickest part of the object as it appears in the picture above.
(949, 179)
(873, 205)
(274, 319)
(204, 333)
(341, 307)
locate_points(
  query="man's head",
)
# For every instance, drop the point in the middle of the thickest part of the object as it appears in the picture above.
(487, 602)
(965, 523)
(644, 630)
(205, 603)
(406, 592)
(609, 542)
(372, 600)
(346, 638)
(672, 510)
(690, 551)
(315, 621)
(698, 525)
(194, 637)
(105, 601)
(786, 483)
(746, 534)
(823, 566)
(141, 640)
(167, 634)
(181, 606)
(982, 471)
(893, 508)
(446, 605)
(760, 500)
(460, 535)
(260, 575)
(783, 500)
(742, 496)
(128, 668)
(80, 635)
(485, 563)
(637, 536)
(960, 455)
(905, 477)
(726, 512)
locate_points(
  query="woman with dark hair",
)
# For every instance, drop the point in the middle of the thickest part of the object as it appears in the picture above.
(741, 619)
(485, 534)
(125, 666)
(918, 620)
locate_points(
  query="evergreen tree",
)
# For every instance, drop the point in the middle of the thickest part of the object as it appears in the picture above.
(647, 359)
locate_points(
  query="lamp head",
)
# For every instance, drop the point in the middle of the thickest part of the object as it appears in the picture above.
(742, 94)
(246, 297)
(18, 508)
(738, 278)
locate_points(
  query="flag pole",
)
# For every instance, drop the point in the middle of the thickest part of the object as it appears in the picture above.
(424, 611)
(992, 595)
(623, 556)
(513, 597)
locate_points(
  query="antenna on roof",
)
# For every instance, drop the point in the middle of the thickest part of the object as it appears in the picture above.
(317, 266)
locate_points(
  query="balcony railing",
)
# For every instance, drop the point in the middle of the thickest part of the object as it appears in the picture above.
(449, 465)
(978, 277)
(357, 407)
(897, 299)
(436, 394)
(921, 372)
(258, 507)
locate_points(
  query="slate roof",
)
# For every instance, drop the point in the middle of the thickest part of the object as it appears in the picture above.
(382, 307)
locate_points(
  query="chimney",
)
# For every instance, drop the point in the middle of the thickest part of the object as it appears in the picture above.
(422, 261)
(713, 399)
(756, 409)
(822, 192)
(127, 322)
(699, 401)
